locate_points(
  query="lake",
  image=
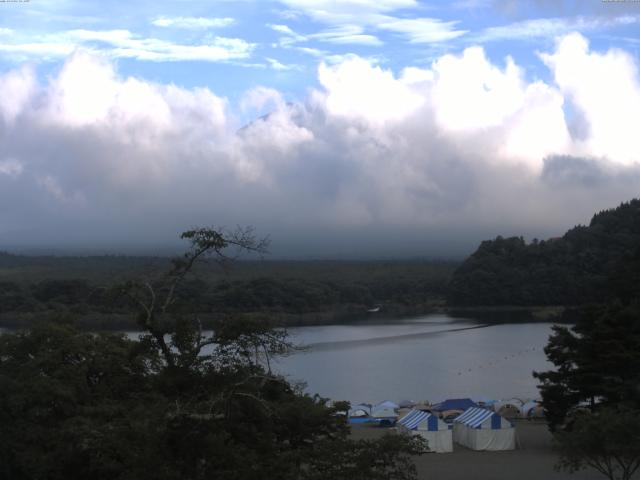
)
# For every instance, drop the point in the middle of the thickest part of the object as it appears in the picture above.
(431, 357)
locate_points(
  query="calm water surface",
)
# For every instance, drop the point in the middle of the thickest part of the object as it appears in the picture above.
(425, 358)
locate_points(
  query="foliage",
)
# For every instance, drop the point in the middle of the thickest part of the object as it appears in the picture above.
(387, 458)
(607, 440)
(290, 292)
(572, 270)
(597, 363)
(175, 404)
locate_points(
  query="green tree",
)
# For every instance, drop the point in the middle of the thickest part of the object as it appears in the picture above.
(177, 403)
(607, 440)
(592, 397)
(597, 363)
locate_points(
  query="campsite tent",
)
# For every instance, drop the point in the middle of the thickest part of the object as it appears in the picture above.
(480, 429)
(454, 404)
(451, 408)
(508, 408)
(431, 428)
(532, 409)
(385, 413)
(360, 413)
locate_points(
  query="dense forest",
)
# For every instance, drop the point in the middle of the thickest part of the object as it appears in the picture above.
(586, 265)
(288, 292)
(589, 264)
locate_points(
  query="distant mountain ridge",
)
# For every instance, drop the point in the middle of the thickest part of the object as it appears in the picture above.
(587, 264)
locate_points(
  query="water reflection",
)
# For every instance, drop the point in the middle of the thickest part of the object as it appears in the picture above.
(427, 358)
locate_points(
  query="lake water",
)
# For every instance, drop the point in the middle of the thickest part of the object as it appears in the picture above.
(432, 357)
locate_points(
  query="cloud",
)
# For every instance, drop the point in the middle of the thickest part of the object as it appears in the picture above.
(277, 65)
(193, 23)
(422, 30)
(11, 167)
(283, 29)
(124, 44)
(328, 9)
(425, 161)
(17, 89)
(346, 34)
(566, 171)
(352, 17)
(550, 27)
(352, 89)
(604, 89)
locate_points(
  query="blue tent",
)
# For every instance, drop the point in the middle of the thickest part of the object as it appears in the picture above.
(454, 404)
(360, 414)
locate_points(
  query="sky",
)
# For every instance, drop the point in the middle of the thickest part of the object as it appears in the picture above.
(354, 128)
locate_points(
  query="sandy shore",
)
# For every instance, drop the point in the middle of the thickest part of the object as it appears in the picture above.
(534, 460)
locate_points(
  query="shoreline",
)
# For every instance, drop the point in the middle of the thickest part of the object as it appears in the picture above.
(347, 315)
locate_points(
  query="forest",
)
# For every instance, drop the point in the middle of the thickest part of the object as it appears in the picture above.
(285, 292)
(586, 265)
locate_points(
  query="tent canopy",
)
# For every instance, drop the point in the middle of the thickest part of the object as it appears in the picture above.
(480, 418)
(385, 409)
(418, 419)
(437, 433)
(385, 405)
(455, 404)
(360, 410)
(481, 429)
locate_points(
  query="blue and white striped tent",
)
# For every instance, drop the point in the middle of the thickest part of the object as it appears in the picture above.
(437, 433)
(481, 429)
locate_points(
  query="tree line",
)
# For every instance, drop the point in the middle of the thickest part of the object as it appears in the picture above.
(399, 286)
(582, 266)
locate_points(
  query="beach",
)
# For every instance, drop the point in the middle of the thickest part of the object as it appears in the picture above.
(533, 460)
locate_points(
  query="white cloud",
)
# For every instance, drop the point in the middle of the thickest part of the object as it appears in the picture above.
(11, 167)
(290, 37)
(346, 34)
(605, 90)
(453, 151)
(353, 16)
(124, 44)
(422, 30)
(327, 8)
(550, 27)
(194, 23)
(354, 89)
(17, 87)
(277, 65)
(52, 187)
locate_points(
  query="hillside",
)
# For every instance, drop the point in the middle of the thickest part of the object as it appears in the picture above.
(587, 264)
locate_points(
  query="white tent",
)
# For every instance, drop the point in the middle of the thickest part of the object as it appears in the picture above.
(360, 410)
(508, 408)
(480, 429)
(359, 413)
(385, 409)
(385, 405)
(431, 428)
